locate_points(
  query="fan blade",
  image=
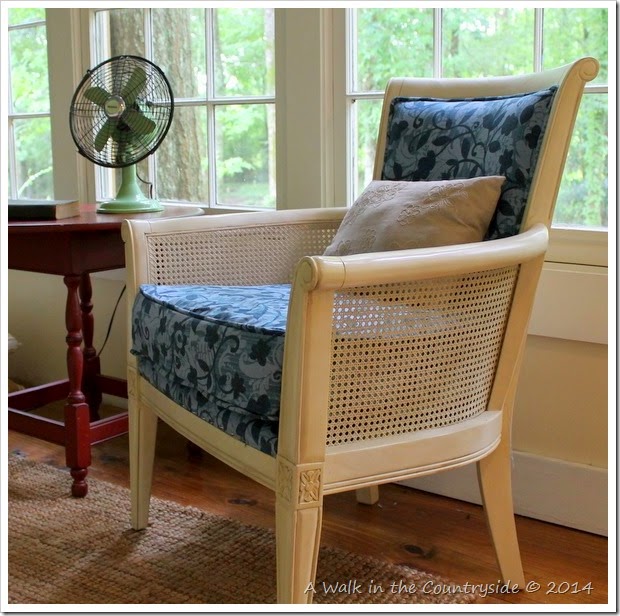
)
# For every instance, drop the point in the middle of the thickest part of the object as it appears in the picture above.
(97, 95)
(134, 86)
(103, 135)
(138, 122)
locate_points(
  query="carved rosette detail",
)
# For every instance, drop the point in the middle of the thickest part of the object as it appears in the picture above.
(309, 486)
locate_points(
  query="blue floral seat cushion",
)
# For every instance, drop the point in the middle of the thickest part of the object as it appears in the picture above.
(441, 139)
(217, 352)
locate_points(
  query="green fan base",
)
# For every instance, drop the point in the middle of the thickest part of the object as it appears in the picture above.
(128, 206)
(129, 199)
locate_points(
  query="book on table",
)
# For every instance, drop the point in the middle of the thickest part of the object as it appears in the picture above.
(42, 209)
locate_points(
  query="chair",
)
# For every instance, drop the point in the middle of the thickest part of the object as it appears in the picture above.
(395, 364)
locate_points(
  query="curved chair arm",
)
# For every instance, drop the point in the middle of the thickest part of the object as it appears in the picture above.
(335, 273)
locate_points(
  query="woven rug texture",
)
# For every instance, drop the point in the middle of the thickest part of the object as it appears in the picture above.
(64, 550)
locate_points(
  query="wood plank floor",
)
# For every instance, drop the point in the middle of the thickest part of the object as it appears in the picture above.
(427, 532)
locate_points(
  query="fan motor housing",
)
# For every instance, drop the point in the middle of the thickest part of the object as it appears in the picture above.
(114, 106)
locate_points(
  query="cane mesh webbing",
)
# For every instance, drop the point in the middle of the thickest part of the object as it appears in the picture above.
(415, 356)
(240, 256)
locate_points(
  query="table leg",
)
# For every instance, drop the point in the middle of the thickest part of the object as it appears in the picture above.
(92, 363)
(77, 416)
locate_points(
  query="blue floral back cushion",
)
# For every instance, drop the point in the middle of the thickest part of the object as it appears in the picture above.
(440, 139)
(217, 352)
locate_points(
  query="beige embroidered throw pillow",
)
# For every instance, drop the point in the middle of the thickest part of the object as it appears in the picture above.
(391, 215)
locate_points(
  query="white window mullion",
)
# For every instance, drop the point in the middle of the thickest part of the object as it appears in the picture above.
(538, 40)
(210, 55)
(73, 174)
(100, 51)
(437, 42)
(351, 61)
(211, 128)
(12, 160)
(351, 106)
(148, 51)
(211, 149)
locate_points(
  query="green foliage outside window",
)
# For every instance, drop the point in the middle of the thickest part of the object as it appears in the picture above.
(19, 16)
(31, 134)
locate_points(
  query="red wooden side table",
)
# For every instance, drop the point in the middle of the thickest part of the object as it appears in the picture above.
(74, 248)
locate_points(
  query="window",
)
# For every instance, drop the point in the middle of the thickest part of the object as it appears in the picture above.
(29, 133)
(220, 149)
(471, 43)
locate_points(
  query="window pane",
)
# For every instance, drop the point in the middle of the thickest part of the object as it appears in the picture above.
(482, 42)
(243, 58)
(572, 33)
(179, 50)
(24, 16)
(33, 153)
(366, 115)
(391, 43)
(29, 77)
(126, 32)
(245, 155)
(583, 194)
(186, 141)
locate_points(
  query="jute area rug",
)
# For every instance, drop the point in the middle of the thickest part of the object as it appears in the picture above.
(63, 550)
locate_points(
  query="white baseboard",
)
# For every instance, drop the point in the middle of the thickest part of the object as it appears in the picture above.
(565, 493)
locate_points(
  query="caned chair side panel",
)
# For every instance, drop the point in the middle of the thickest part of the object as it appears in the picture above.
(265, 254)
(413, 356)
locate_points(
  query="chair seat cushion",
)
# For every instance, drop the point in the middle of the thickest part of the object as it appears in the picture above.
(216, 351)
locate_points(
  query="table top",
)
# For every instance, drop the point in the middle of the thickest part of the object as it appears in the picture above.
(87, 243)
(90, 220)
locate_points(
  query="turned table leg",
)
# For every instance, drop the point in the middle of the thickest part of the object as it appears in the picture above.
(77, 415)
(92, 364)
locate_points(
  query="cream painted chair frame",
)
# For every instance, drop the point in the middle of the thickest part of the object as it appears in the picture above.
(272, 247)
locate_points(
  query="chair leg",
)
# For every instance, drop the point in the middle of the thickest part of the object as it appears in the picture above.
(494, 479)
(142, 437)
(368, 495)
(298, 533)
(299, 512)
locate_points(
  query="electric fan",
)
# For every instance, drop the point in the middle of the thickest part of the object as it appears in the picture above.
(120, 113)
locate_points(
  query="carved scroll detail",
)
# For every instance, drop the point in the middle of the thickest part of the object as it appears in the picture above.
(285, 481)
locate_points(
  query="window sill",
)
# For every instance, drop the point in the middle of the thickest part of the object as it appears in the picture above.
(578, 246)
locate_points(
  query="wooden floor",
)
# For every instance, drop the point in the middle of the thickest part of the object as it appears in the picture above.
(409, 527)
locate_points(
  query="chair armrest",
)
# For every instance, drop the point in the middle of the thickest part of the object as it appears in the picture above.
(333, 273)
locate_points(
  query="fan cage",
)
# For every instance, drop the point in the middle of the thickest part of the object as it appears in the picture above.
(154, 100)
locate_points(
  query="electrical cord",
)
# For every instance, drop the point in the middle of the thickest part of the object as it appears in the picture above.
(149, 184)
(118, 301)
